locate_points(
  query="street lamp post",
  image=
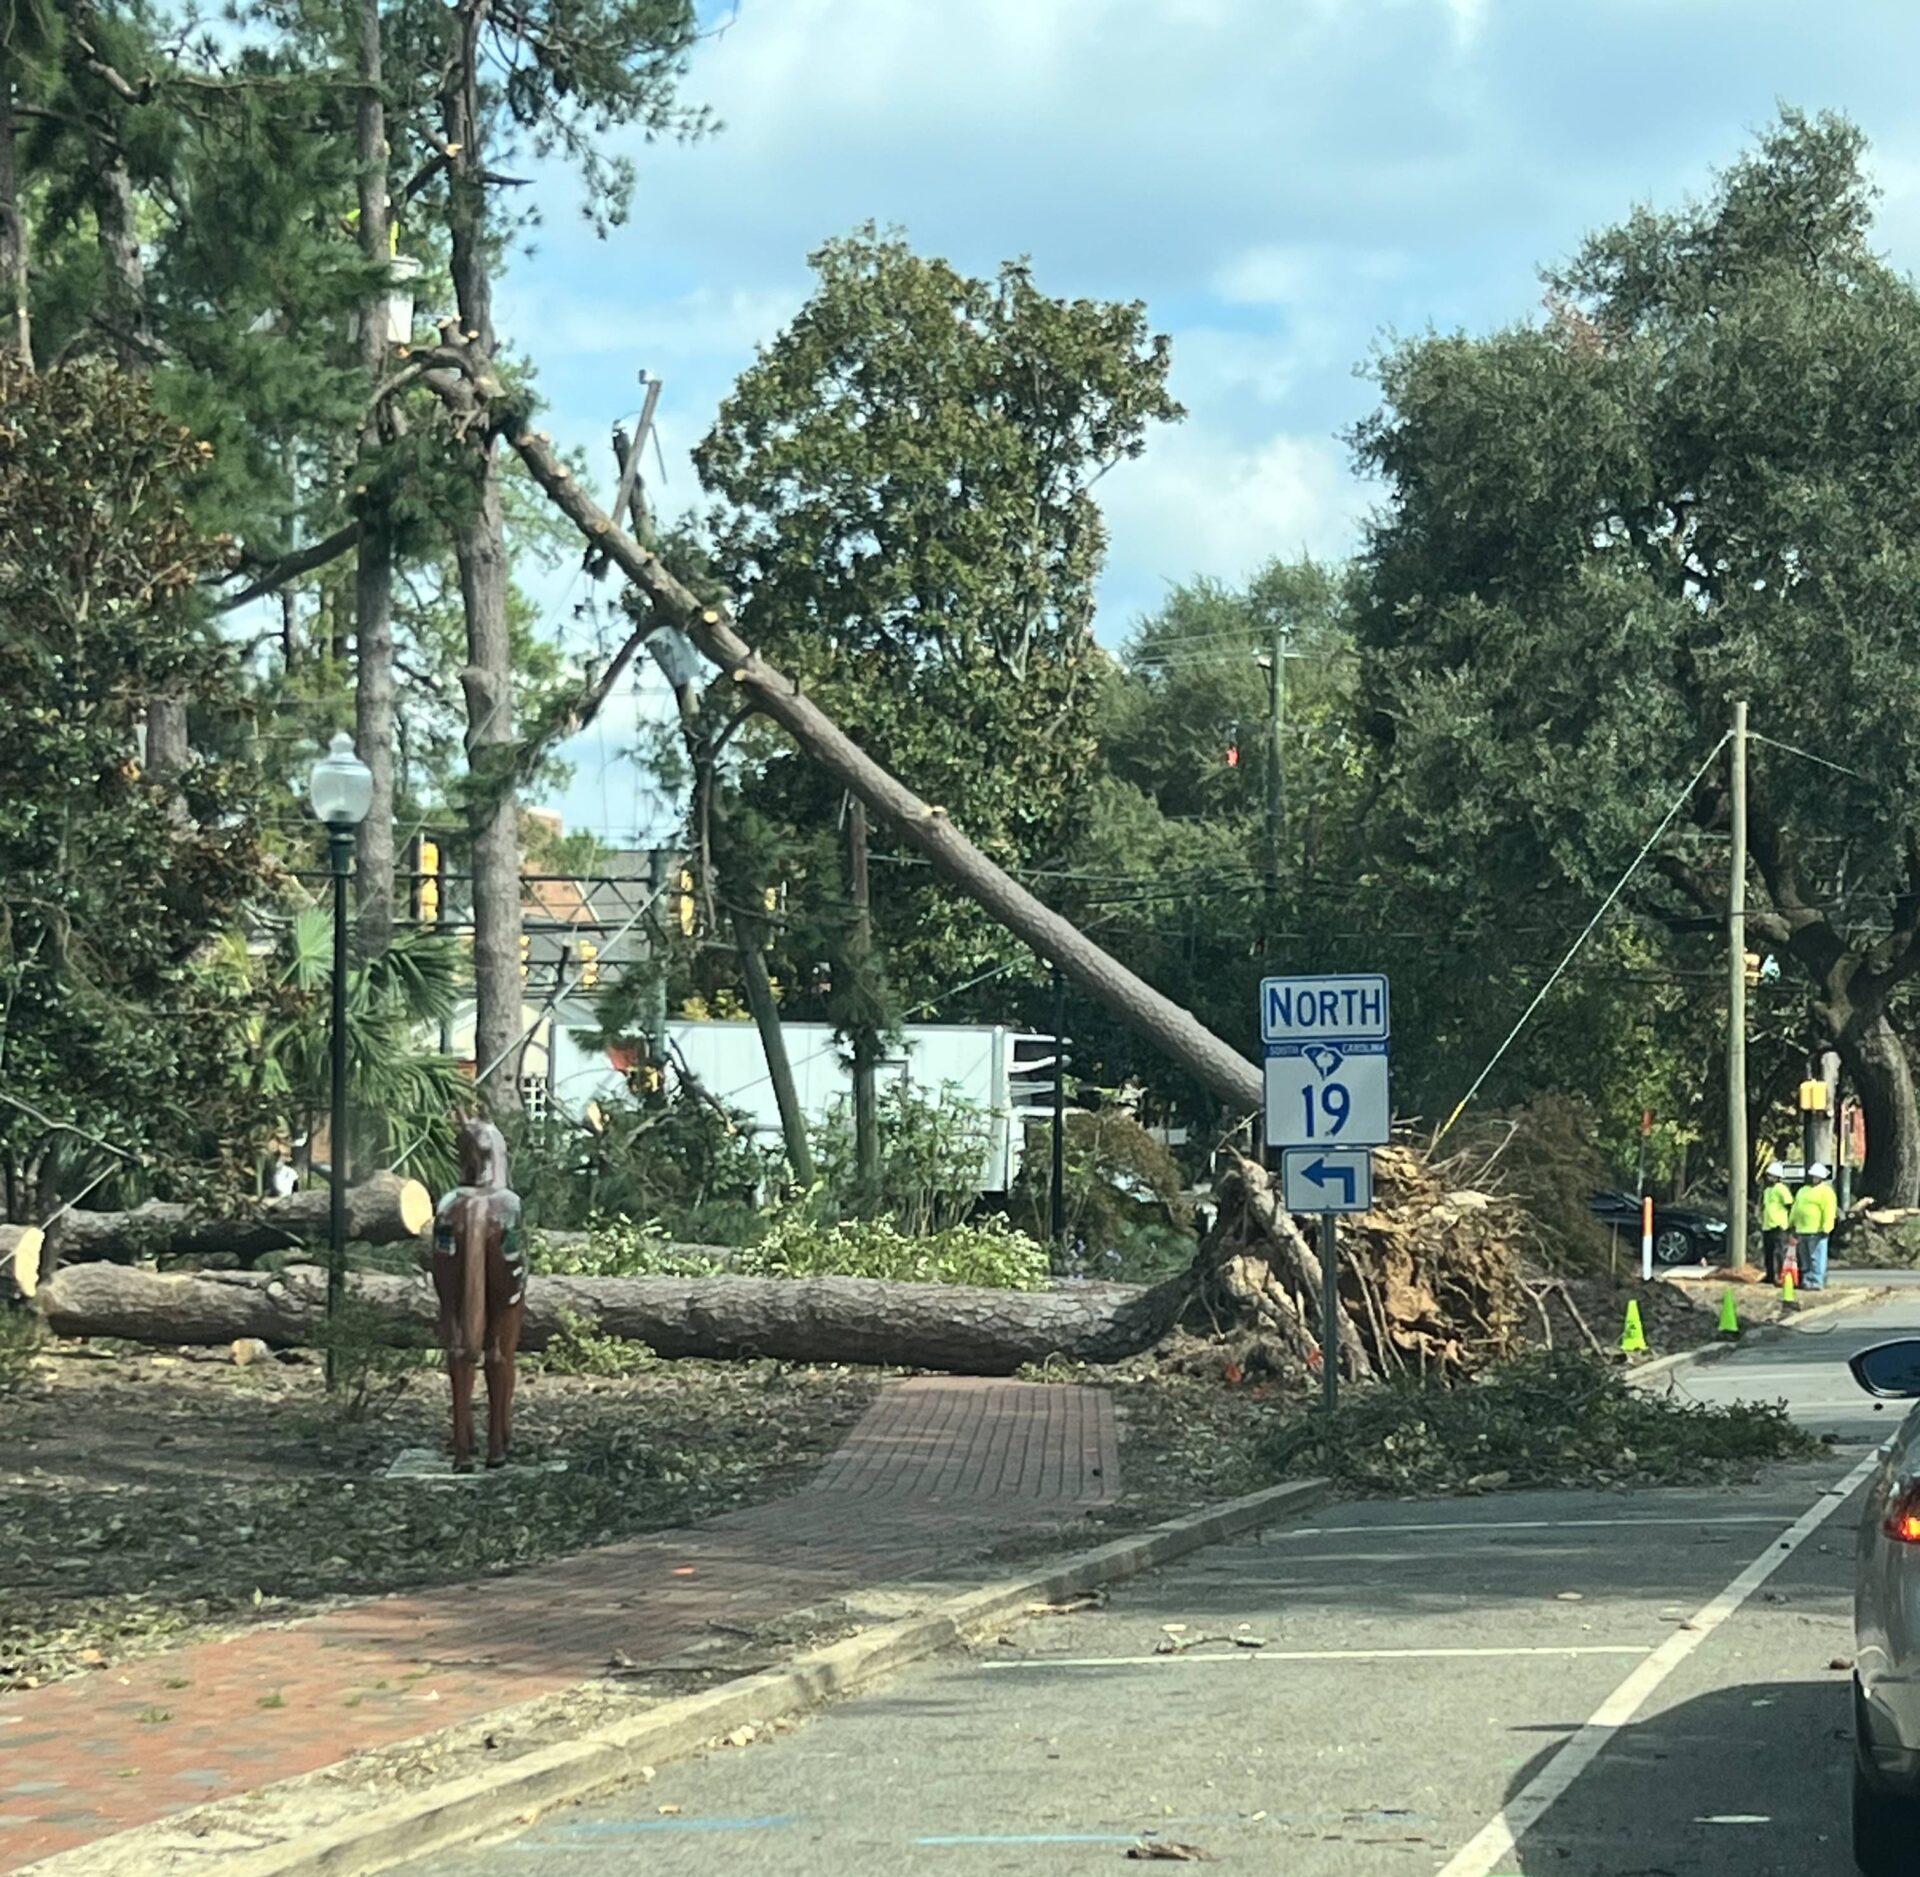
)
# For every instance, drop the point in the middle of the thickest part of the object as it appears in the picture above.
(341, 791)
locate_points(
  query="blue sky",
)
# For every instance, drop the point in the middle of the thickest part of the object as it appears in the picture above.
(1283, 182)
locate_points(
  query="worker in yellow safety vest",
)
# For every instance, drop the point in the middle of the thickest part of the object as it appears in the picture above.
(1815, 1208)
(1776, 1211)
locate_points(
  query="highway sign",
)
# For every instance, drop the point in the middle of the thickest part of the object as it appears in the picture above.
(1343, 1009)
(1327, 1179)
(1328, 1095)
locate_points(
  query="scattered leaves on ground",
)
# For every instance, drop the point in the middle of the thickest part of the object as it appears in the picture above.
(1552, 1419)
(147, 1499)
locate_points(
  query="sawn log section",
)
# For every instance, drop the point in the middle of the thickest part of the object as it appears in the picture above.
(827, 1319)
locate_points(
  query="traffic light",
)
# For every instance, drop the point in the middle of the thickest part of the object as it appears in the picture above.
(526, 955)
(589, 964)
(683, 903)
(1752, 962)
(426, 891)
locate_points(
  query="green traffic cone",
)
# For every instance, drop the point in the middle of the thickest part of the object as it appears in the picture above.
(1633, 1339)
(1729, 1317)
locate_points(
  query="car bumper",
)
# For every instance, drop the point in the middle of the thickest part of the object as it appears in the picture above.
(1889, 1719)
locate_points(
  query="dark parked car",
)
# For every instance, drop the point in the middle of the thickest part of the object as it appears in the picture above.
(1681, 1234)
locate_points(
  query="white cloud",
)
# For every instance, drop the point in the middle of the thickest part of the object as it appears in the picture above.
(1198, 503)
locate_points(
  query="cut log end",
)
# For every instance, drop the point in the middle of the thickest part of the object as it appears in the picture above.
(415, 1206)
(20, 1249)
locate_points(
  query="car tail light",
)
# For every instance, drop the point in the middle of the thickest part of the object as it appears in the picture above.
(1902, 1522)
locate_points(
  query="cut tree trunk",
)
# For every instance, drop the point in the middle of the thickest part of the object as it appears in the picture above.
(384, 1210)
(462, 374)
(773, 1045)
(480, 549)
(827, 1319)
(373, 568)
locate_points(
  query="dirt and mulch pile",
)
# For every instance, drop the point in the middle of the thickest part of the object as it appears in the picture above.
(1879, 1238)
(149, 1497)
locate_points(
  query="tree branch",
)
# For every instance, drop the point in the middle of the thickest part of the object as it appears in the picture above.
(277, 573)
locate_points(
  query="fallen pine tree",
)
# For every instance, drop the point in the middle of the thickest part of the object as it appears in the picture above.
(1430, 1284)
(383, 1210)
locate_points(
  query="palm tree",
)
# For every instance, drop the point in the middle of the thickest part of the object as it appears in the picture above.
(402, 1091)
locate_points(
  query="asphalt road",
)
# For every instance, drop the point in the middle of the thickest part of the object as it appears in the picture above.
(1637, 1684)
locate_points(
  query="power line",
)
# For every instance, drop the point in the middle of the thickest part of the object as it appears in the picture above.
(1619, 887)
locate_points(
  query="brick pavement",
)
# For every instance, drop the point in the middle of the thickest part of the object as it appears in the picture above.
(937, 1470)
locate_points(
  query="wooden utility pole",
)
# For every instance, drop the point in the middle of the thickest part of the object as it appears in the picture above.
(1739, 1172)
(865, 1037)
(1276, 756)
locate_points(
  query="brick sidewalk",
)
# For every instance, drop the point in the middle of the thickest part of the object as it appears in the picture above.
(935, 1472)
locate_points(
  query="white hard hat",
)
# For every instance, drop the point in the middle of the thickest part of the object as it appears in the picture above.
(1819, 1170)
(1776, 1170)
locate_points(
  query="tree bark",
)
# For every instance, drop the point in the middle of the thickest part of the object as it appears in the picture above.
(384, 1210)
(16, 331)
(373, 570)
(773, 1044)
(466, 381)
(830, 1319)
(1877, 1061)
(479, 547)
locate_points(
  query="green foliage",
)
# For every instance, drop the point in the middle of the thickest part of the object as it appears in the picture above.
(616, 1247)
(905, 514)
(1553, 1419)
(1693, 481)
(371, 1366)
(932, 1149)
(666, 1157)
(1125, 1215)
(107, 895)
(987, 1252)
(19, 1343)
(401, 1092)
(577, 1348)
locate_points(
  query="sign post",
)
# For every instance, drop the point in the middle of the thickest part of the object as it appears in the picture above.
(1326, 1041)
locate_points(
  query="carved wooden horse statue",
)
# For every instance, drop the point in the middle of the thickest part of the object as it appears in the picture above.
(480, 1274)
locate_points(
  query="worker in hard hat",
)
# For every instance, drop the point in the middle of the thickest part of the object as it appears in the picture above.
(1776, 1212)
(1815, 1208)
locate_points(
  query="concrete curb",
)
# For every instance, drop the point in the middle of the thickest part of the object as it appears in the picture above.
(441, 1818)
(1855, 1298)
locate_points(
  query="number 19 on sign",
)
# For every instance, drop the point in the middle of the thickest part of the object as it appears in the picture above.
(1324, 1097)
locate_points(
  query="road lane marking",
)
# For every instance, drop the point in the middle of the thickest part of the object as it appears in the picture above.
(1316, 1655)
(1500, 1839)
(1519, 1525)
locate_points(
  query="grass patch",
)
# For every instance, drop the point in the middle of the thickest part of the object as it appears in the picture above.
(1553, 1419)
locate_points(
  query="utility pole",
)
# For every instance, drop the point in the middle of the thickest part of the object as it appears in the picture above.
(1739, 1173)
(1058, 1221)
(866, 1040)
(1278, 652)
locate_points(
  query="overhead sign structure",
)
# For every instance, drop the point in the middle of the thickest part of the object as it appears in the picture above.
(1326, 1041)
(1327, 1179)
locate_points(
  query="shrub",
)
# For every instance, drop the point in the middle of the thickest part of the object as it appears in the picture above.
(616, 1248)
(19, 1343)
(932, 1151)
(578, 1348)
(988, 1252)
(371, 1369)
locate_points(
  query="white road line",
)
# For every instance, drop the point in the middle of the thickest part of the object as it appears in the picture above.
(1311, 1655)
(1518, 1525)
(1498, 1841)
